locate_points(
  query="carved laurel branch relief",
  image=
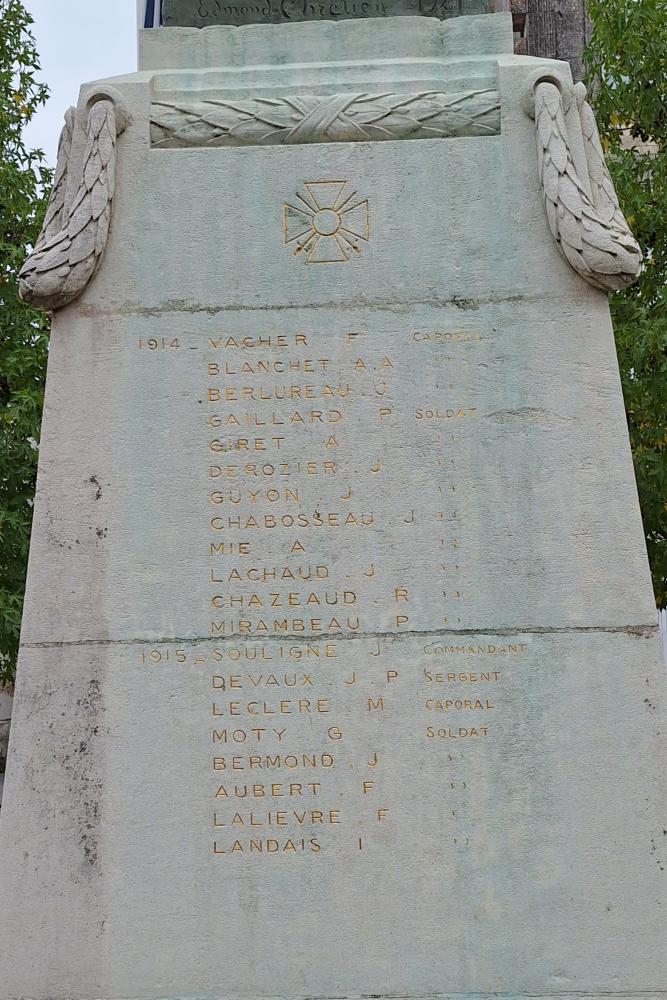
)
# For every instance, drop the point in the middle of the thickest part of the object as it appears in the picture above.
(76, 227)
(591, 231)
(338, 118)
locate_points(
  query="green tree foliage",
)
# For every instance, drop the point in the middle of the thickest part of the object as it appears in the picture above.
(627, 69)
(24, 180)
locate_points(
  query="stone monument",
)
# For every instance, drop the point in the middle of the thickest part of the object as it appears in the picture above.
(340, 672)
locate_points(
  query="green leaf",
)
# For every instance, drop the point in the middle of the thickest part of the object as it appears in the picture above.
(627, 73)
(24, 182)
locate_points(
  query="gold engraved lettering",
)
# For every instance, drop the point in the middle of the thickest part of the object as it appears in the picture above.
(251, 343)
(262, 522)
(246, 444)
(445, 336)
(275, 762)
(264, 574)
(269, 846)
(287, 599)
(295, 418)
(459, 704)
(470, 649)
(235, 498)
(303, 706)
(279, 817)
(449, 413)
(264, 654)
(465, 677)
(238, 682)
(461, 733)
(273, 791)
(269, 470)
(265, 627)
(266, 366)
(278, 393)
(230, 549)
(240, 736)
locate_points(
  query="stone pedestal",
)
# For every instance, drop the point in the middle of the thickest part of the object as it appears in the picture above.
(340, 671)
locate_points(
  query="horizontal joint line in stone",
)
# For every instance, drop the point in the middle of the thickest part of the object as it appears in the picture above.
(635, 631)
(388, 305)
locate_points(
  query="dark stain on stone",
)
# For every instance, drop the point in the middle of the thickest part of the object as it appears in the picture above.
(528, 415)
(467, 305)
(84, 780)
(95, 481)
(53, 539)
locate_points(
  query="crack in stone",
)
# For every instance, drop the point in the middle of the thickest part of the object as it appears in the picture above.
(634, 631)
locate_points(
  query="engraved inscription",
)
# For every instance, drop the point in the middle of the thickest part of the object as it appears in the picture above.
(199, 13)
(336, 563)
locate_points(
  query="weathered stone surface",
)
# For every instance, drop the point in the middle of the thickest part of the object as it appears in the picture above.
(202, 13)
(307, 118)
(366, 507)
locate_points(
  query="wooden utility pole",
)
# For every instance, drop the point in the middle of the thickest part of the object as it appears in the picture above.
(555, 29)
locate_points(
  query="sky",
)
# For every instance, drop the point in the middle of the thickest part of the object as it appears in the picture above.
(78, 41)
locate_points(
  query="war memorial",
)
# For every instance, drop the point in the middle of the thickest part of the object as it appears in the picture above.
(340, 673)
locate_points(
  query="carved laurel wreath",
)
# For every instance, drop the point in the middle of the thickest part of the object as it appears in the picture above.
(76, 227)
(306, 118)
(590, 230)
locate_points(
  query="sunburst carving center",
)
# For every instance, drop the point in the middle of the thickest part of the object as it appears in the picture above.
(326, 222)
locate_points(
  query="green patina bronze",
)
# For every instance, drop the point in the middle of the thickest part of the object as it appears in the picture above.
(201, 13)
